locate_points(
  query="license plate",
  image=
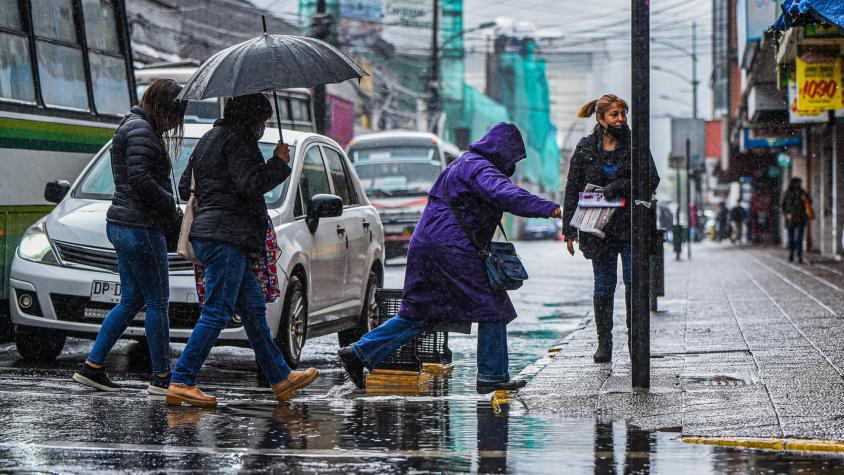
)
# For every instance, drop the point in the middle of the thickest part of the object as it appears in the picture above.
(105, 291)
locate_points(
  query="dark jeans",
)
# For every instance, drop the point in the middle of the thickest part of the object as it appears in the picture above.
(144, 280)
(605, 267)
(493, 359)
(795, 239)
(230, 286)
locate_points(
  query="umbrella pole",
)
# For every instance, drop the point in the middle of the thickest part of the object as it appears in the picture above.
(275, 97)
(278, 118)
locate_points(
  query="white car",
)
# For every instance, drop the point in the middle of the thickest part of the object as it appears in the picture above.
(64, 274)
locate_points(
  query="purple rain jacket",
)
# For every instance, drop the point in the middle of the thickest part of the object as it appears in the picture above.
(446, 279)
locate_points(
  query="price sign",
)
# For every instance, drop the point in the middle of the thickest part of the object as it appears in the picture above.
(818, 81)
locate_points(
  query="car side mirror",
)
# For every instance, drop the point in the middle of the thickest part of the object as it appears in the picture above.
(55, 191)
(323, 206)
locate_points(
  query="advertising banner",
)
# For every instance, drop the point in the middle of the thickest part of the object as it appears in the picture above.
(802, 116)
(819, 80)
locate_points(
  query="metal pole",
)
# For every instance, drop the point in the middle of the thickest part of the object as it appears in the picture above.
(676, 237)
(433, 87)
(640, 330)
(695, 82)
(319, 29)
(689, 197)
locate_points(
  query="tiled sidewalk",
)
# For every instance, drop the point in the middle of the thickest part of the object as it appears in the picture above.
(746, 345)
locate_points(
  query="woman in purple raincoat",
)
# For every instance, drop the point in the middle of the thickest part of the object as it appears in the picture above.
(446, 279)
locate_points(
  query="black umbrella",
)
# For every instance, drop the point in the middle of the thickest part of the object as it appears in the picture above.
(270, 62)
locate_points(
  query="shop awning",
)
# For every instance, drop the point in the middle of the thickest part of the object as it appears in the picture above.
(800, 12)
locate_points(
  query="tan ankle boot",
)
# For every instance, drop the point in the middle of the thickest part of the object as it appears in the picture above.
(178, 393)
(295, 381)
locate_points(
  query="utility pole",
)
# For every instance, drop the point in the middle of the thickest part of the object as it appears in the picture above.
(433, 84)
(640, 330)
(320, 29)
(695, 81)
(689, 198)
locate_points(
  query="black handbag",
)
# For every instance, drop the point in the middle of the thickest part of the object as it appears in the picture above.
(504, 269)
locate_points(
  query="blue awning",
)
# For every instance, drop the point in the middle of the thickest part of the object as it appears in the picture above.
(800, 12)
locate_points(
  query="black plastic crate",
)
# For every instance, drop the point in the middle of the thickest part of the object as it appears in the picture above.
(427, 347)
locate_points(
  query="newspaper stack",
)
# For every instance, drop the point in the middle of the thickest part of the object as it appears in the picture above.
(594, 211)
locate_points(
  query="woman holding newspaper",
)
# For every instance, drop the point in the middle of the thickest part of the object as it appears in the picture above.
(596, 212)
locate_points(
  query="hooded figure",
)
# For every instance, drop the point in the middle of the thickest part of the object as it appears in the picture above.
(446, 280)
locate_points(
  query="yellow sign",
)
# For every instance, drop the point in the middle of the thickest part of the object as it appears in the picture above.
(818, 81)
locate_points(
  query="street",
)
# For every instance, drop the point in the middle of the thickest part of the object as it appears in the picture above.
(52, 424)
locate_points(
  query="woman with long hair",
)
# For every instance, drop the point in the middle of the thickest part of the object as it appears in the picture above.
(142, 210)
(230, 177)
(602, 158)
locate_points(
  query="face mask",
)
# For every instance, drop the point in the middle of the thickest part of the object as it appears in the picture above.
(620, 133)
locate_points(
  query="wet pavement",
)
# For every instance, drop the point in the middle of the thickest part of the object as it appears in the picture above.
(53, 425)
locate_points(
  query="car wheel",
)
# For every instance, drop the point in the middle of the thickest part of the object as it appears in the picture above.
(39, 345)
(293, 326)
(369, 315)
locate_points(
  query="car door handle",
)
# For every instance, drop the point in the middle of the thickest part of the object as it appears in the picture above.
(366, 225)
(341, 230)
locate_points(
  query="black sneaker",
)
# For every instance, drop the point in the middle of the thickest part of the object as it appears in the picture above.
(95, 378)
(158, 385)
(353, 366)
(485, 387)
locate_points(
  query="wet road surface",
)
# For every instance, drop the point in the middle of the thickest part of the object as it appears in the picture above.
(49, 423)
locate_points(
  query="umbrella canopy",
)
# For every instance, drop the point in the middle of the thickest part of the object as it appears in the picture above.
(270, 62)
(800, 12)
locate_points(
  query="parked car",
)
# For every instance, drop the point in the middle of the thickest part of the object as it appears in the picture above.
(64, 276)
(541, 228)
(397, 168)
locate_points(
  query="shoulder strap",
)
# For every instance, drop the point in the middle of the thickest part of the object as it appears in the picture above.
(482, 251)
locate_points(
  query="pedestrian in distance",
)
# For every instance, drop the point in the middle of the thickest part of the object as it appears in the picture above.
(602, 158)
(446, 279)
(142, 214)
(795, 204)
(722, 228)
(230, 178)
(738, 217)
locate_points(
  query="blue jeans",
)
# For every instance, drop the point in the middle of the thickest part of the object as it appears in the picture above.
(605, 268)
(144, 280)
(493, 360)
(230, 286)
(795, 239)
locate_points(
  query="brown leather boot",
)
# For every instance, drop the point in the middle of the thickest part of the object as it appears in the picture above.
(295, 381)
(178, 393)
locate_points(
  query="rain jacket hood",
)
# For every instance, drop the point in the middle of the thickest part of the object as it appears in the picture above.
(503, 146)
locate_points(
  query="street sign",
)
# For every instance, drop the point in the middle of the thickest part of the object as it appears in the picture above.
(693, 130)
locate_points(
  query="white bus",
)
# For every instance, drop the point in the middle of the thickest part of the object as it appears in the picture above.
(65, 81)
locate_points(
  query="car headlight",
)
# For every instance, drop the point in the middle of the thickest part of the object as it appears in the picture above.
(35, 246)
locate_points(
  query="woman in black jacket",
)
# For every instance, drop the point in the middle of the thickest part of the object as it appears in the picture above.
(230, 178)
(602, 158)
(142, 209)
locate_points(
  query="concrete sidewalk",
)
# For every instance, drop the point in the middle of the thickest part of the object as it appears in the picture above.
(745, 345)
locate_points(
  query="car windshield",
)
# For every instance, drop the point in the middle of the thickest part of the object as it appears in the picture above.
(98, 183)
(392, 153)
(397, 178)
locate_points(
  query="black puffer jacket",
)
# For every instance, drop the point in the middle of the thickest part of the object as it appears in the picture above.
(587, 167)
(231, 179)
(143, 194)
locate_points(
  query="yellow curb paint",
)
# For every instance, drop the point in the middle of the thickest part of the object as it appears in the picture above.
(790, 445)
(499, 399)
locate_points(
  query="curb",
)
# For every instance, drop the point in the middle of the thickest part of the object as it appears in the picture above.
(780, 445)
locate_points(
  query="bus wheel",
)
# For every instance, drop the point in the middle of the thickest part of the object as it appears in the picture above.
(39, 345)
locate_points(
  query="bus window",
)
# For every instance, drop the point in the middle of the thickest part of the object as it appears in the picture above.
(299, 108)
(59, 53)
(108, 68)
(16, 81)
